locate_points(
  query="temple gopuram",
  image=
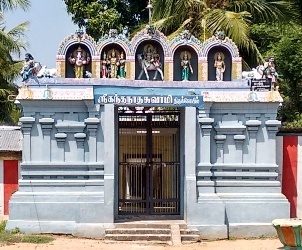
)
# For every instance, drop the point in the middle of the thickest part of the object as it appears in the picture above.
(150, 129)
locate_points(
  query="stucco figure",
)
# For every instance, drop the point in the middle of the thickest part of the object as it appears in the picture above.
(219, 65)
(30, 68)
(122, 66)
(186, 65)
(150, 61)
(79, 58)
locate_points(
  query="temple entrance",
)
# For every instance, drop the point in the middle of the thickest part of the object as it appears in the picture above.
(149, 165)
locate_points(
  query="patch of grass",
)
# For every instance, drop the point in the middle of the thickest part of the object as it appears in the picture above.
(15, 236)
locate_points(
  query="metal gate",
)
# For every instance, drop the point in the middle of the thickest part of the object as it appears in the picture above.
(149, 168)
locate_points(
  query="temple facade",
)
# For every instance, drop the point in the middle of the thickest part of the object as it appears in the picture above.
(148, 128)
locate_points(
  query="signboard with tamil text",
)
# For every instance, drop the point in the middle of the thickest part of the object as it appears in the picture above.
(261, 84)
(152, 100)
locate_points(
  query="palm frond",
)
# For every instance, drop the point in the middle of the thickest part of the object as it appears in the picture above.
(6, 5)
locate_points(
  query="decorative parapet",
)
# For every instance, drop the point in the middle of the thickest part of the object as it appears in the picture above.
(57, 94)
(113, 37)
(77, 38)
(238, 96)
(185, 38)
(158, 36)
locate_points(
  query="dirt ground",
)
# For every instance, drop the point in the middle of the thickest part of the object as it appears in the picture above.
(71, 243)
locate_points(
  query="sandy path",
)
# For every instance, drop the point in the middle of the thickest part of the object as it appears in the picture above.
(69, 243)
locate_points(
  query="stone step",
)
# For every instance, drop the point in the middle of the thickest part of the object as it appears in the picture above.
(190, 238)
(142, 225)
(139, 237)
(191, 231)
(138, 231)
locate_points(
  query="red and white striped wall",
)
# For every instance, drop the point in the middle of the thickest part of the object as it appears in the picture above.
(9, 175)
(289, 158)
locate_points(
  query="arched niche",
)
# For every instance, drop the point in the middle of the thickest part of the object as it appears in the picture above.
(107, 51)
(177, 58)
(72, 51)
(227, 58)
(143, 50)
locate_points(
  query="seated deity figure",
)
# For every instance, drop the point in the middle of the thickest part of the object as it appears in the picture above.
(186, 65)
(149, 60)
(121, 66)
(79, 58)
(219, 65)
(28, 67)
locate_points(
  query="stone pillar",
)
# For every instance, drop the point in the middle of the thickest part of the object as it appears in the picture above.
(272, 129)
(80, 138)
(252, 128)
(61, 138)
(130, 67)
(92, 126)
(60, 65)
(236, 68)
(204, 183)
(190, 160)
(220, 142)
(110, 152)
(239, 139)
(27, 123)
(202, 69)
(168, 69)
(46, 125)
(96, 67)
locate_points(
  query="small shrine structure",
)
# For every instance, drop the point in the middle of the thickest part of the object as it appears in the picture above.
(148, 128)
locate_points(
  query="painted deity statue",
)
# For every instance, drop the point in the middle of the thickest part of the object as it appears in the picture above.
(28, 67)
(122, 66)
(270, 70)
(79, 58)
(186, 66)
(219, 65)
(105, 64)
(113, 64)
(149, 60)
(157, 65)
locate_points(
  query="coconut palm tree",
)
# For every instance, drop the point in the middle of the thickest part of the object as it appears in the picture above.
(11, 44)
(205, 17)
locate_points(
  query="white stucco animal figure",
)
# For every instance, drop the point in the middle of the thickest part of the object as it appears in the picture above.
(45, 72)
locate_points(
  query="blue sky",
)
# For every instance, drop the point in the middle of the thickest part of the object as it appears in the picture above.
(49, 25)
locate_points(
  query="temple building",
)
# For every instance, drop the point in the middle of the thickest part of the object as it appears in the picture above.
(148, 128)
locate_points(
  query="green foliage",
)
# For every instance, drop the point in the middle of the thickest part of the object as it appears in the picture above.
(206, 17)
(11, 44)
(15, 236)
(100, 16)
(2, 226)
(288, 53)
